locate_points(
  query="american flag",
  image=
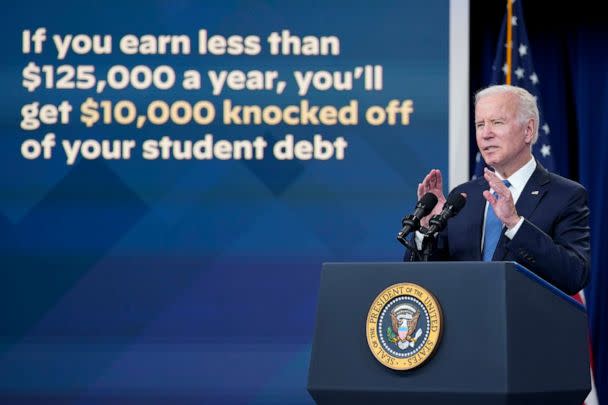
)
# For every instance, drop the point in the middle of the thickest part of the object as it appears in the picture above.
(592, 397)
(517, 69)
(513, 65)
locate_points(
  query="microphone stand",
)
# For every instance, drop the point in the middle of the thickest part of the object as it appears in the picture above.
(414, 223)
(410, 221)
(428, 245)
(415, 256)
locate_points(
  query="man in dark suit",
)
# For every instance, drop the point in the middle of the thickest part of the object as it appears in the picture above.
(541, 219)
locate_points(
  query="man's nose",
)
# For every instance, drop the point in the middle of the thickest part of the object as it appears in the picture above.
(486, 132)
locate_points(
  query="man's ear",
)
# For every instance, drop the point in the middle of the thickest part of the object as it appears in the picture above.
(529, 131)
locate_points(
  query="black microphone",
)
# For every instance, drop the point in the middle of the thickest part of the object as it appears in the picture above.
(411, 223)
(452, 206)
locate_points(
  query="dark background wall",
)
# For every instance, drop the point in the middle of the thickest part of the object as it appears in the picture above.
(554, 32)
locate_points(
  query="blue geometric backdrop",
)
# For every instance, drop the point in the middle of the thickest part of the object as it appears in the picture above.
(167, 281)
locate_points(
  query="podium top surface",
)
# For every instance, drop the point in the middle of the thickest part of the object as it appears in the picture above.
(514, 265)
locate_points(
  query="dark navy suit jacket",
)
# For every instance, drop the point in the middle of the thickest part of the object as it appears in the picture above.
(553, 241)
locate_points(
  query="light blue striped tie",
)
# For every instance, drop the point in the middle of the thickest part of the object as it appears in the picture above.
(493, 230)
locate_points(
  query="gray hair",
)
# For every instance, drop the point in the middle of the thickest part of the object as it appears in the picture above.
(526, 106)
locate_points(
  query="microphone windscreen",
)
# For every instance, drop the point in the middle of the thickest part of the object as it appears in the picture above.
(428, 202)
(457, 201)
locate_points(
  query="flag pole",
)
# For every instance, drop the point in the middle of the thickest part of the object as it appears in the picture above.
(509, 44)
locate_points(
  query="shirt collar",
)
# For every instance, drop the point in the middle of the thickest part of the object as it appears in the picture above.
(519, 179)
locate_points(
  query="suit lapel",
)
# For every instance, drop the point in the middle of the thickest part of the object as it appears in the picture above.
(533, 192)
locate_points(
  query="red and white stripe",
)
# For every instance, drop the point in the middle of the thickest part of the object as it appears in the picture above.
(592, 397)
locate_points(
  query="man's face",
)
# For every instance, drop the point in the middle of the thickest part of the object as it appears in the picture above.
(503, 141)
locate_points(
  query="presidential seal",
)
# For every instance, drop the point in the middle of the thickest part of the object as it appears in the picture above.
(404, 326)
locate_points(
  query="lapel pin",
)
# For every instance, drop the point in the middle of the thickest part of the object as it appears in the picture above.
(535, 192)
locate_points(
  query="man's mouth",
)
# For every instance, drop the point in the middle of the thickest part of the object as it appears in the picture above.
(489, 148)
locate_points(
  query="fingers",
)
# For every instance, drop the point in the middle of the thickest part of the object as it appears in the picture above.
(439, 179)
(425, 186)
(433, 180)
(490, 176)
(426, 183)
(489, 198)
(496, 184)
(432, 183)
(503, 208)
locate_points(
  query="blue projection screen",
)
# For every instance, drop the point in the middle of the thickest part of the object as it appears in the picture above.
(175, 173)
